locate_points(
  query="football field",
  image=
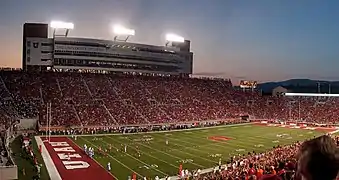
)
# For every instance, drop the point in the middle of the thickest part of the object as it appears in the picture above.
(148, 154)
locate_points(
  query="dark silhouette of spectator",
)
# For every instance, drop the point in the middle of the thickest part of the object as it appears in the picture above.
(318, 159)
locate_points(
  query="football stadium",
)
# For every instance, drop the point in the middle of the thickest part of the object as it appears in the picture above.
(82, 108)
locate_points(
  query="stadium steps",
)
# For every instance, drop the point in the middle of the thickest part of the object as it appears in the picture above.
(135, 109)
(59, 87)
(167, 115)
(41, 96)
(85, 83)
(76, 114)
(4, 87)
(109, 113)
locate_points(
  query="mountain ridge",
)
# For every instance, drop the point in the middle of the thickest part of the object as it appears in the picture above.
(268, 86)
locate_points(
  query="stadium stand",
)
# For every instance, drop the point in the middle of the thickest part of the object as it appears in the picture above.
(107, 100)
(87, 99)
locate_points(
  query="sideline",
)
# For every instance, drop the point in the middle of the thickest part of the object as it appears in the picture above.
(52, 171)
(333, 132)
(152, 132)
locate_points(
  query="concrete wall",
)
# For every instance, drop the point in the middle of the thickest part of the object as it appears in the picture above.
(27, 124)
(8, 172)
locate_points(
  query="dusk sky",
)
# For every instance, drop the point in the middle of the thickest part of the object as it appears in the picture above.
(264, 40)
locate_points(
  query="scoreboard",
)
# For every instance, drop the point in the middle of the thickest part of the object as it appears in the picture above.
(248, 84)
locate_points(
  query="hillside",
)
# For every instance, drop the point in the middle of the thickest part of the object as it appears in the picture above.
(304, 84)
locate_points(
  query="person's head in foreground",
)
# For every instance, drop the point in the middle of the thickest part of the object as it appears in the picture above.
(318, 159)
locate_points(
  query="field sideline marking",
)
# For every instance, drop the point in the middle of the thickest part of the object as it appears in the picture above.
(93, 159)
(333, 132)
(145, 153)
(152, 132)
(115, 159)
(53, 173)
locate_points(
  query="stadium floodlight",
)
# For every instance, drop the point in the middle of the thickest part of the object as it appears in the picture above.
(174, 38)
(61, 25)
(120, 30)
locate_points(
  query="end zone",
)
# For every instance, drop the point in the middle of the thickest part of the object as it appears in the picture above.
(77, 163)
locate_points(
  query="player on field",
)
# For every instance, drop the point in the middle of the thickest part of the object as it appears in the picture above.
(85, 148)
(125, 148)
(166, 142)
(108, 166)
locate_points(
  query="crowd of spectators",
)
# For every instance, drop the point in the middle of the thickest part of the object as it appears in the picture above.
(315, 159)
(87, 99)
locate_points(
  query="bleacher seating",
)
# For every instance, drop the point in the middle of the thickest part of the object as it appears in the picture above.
(87, 99)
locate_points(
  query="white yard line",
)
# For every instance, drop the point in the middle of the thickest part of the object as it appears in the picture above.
(115, 178)
(168, 154)
(142, 162)
(152, 132)
(146, 153)
(52, 170)
(115, 159)
(333, 132)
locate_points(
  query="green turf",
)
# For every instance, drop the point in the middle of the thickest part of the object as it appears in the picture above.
(190, 148)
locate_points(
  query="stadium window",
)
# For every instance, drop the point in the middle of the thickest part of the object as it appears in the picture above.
(46, 44)
(28, 44)
(28, 51)
(46, 52)
(28, 59)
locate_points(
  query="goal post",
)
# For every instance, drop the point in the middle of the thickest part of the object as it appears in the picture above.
(48, 124)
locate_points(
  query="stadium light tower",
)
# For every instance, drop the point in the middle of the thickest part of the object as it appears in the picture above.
(170, 38)
(57, 25)
(120, 30)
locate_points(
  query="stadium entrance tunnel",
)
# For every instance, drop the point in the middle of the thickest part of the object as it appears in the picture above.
(245, 117)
